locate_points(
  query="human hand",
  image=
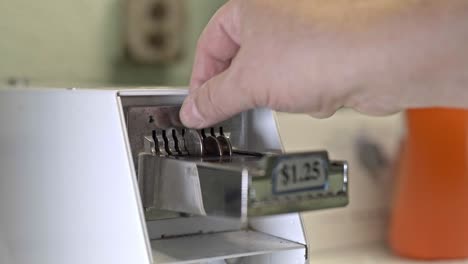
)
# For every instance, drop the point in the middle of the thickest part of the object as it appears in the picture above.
(316, 56)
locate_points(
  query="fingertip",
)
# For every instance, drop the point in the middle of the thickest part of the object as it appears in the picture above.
(190, 115)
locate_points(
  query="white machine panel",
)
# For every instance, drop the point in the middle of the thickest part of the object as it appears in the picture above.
(67, 190)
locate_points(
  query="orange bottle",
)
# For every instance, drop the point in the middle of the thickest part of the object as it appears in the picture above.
(430, 210)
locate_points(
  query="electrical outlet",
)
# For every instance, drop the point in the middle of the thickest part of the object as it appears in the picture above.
(154, 30)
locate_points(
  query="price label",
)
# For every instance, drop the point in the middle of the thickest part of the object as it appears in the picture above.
(298, 174)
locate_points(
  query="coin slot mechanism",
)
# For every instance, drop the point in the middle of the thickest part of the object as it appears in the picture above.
(173, 142)
(228, 167)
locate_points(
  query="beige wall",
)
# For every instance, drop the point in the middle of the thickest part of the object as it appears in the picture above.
(79, 43)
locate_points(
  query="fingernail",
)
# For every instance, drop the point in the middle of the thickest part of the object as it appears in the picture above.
(190, 115)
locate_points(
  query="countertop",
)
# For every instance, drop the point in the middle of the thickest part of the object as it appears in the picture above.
(367, 254)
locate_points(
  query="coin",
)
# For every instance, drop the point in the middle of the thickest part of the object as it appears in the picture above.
(193, 142)
(212, 147)
(226, 147)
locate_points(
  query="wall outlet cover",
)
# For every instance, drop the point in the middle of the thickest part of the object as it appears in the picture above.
(155, 30)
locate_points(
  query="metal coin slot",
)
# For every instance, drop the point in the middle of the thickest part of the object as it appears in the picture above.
(203, 133)
(191, 142)
(170, 144)
(212, 132)
(179, 141)
(160, 144)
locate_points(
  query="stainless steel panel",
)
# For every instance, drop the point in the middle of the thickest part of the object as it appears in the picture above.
(230, 246)
(202, 186)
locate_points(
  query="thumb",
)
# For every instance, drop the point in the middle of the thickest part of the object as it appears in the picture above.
(215, 101)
